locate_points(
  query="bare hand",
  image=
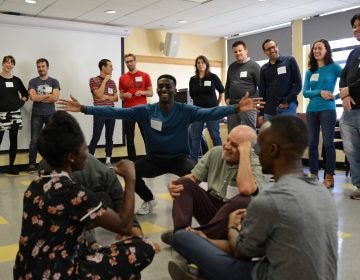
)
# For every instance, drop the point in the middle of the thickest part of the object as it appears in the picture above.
(250, 104)
(283, 105)
(327, 95)
(175, 188)
(344, 92)
(197, 232)
(125, 168)
(127, 95)
(244, 147)
(227, 101)
(347, 102)
(107, 78)
(71, 105)
(236, 218)
(261, 120)
(138, 93)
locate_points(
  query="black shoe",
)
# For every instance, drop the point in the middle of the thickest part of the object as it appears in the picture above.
(180, 270)
(167, 237)
(12, 170)
(31, 168)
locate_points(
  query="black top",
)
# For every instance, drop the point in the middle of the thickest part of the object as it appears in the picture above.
(202, 90)
(10, 99)
(350, 77)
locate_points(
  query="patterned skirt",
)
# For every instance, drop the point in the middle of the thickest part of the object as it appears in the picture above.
(9, 120)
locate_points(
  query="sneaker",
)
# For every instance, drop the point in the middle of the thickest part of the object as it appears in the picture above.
(180, 270)
(146, 207)
(355, 194)
(167, 237)
(31, 168)
(12, 170)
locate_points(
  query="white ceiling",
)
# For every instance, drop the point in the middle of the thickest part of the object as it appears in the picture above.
(218, 18)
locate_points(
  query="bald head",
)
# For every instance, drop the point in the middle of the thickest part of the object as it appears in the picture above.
(238, 135)
(243, 133)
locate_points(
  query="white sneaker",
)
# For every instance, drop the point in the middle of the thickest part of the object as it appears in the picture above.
(146, 207)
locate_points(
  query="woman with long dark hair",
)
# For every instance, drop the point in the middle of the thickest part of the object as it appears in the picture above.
(320, 81)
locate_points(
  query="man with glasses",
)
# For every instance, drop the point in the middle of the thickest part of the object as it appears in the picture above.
(134, 87)
(280, 83)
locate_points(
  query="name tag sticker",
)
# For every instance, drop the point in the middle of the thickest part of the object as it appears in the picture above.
(314, 77)
(138, 79)
(231, 191)
(157, 125)
(207, 83)
(110, 91)
(48, 89)
(281, 70)
(359, 65)
(9, 84)
(243, 74)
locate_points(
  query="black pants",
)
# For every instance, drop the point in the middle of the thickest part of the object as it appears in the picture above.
(13, 133)
(152, 166)
(98, 124)
(129, 128)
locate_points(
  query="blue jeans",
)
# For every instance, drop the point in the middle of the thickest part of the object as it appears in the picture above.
(290, 110)
(350, 134)
(213, 263)
(196, 132)
(37, 123)
(326, 120)
(98, 124)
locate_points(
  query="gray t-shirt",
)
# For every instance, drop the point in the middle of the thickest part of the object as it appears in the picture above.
(293, 227)
(42, 87)
(242, 77)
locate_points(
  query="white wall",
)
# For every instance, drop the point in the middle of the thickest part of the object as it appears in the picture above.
(73, 58)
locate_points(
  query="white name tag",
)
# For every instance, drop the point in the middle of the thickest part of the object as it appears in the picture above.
(207, 83)
(359, 65)
(157, 125)
(110, 91)
(48, 89)
(281, 70)
(138, 79)
(231, 191)
(314, 77)
(9, 84)
(243, 74)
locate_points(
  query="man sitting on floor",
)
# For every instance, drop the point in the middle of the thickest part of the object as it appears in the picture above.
(291, 226)
(233, 175)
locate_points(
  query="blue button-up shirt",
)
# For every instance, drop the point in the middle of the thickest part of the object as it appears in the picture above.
(279, 83)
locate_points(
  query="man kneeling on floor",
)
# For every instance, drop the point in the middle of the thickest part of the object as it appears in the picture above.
(291, 226)
(233, 175)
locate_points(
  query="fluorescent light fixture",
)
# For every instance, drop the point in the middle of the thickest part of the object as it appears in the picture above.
(198, 1)
(182, 21)
(110, 12)
(273, 27)
(31, 1)
(340, 11)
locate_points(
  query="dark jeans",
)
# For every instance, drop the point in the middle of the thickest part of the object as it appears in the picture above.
(13, 133)
(326, 120)
(153, 166)
(98, 124)
(211, 213)
(129, 127)
(37, 123)
(196, 133)
(213, 263)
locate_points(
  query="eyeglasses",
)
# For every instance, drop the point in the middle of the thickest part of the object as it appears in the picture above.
(270, 48)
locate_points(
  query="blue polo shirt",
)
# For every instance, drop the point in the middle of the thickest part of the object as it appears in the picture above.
(279, 83)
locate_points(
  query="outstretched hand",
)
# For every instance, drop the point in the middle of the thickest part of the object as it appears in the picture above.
(250, 104)
(71, 105)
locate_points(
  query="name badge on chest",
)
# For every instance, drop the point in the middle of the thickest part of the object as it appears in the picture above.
(314, 77)
(157, 125)
(243, 74)
(138, 79)
(207, 83)
(281, 70)
(9, 84)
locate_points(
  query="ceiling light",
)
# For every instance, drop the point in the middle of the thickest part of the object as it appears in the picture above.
(110, 12)
(182, 21)
(30, 1)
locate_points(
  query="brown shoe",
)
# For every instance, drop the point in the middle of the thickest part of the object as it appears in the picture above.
(355, 195)
(167, 237)
(329, 181)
